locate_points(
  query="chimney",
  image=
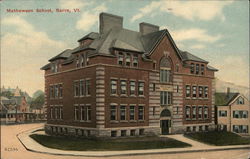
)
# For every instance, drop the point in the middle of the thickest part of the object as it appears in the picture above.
(228, 91)
(109, 21)
(146, 28)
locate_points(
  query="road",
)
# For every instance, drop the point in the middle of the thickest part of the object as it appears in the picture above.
(11, 148)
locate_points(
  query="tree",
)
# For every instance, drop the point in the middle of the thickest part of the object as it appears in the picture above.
(38, 102)
(7, 94)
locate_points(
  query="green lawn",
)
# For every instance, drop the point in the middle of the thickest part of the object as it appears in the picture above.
(219, 138)
(83, 144)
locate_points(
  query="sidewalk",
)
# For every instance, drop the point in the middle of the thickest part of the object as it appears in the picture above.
(32, 145)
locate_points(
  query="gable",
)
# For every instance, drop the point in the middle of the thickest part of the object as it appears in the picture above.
(239, 100)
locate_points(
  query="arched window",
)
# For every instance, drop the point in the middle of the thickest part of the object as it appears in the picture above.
(165, 70)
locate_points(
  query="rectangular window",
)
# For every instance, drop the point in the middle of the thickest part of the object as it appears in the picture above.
(202, 69)
(87, 87)
(123, 87)
(245, 114)
(113, 86)
(76, 113)
(132, 113)
(222, 113)
(200, 91)
(187, 112)
(88, 113)
(188, 90)
(120, 58)
(141, 131)
(194, 89)
(206, 112)
(51, 88)
(206, 92)
(154, 87)
(56, 91)
(76, 88)
(135, 60)
(192, 68)
(51, 112)
(112, 112)
(82, 113)
(122, 112)
(132, 132)
(81, 88)
(141, 88)
(236, 114)
(132, 87)
(200, 112)
(165, 75)
(123, 132)
(56, 112)
(141, 113)
(165, 98)
(113, 133)
(197, 69)
(128, 60)
(61, 112)
(60, 90)
(194, 113)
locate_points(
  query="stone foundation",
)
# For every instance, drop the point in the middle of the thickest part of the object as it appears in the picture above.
(64, 130)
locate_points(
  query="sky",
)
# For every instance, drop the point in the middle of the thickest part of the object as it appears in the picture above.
(217, 31)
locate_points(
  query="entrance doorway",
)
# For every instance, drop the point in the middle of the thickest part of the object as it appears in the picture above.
(165, 125)
(165, 118)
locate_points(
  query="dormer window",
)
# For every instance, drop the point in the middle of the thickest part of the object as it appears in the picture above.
(54, 67)
(197, 69)
(135, 60)
(82, 60)
(192, 68)
(127, 59)
(77, 62)
(120, 58)
(202, 69)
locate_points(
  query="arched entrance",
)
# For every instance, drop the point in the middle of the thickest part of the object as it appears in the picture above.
(165, 118)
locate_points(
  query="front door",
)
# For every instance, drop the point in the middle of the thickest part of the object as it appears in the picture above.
(165, 124)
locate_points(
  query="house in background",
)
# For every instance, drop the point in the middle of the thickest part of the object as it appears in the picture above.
(232, 112)
(14, 109)
(120, 82)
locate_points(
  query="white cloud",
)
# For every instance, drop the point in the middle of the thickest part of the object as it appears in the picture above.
(146, 10)
(194, 34)
(90, 18)
(203, 10)
(73, 4)
(198, 46)
(220, 45)
(233, 69)
(24, 51)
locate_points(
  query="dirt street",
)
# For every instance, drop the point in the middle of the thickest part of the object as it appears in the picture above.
(11, 148)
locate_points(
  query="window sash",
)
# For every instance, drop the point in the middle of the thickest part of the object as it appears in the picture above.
(141, 88)
(188, 89)
(113, 87)
(132, 87)
(87, 87)
(123, 113)
(141, 113)
(132, 113)
(112, 112)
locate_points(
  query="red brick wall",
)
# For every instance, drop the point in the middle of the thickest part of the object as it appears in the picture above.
(68, 100)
